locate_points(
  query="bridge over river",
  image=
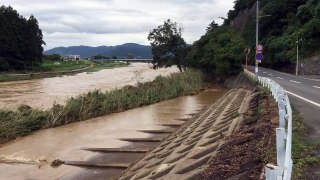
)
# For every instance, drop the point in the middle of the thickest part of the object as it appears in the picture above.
(128, 61)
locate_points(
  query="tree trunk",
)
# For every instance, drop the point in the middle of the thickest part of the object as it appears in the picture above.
(179, 66)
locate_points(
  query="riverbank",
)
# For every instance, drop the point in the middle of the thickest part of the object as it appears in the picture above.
(242, 155)
(49, 69)
(25, 120)
(67, 142)
(245, 153)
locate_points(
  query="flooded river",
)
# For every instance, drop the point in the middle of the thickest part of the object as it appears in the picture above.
(29, 157)
(65, 142)
(42, 93)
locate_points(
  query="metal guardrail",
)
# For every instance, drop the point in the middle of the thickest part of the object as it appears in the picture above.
(283, 169)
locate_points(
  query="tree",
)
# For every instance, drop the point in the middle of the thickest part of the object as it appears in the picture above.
(212, 26)
(100, 57)
(168, 46)
(218, 52)
(21, 40)
(52, 57)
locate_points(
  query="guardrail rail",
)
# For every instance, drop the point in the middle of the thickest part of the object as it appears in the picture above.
(283, 169)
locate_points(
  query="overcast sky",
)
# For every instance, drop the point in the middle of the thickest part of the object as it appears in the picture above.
(114, 22)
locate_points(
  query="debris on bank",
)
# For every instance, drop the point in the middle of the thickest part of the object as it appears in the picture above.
(245, 153)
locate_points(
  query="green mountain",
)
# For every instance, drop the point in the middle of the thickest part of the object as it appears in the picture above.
(121, 51)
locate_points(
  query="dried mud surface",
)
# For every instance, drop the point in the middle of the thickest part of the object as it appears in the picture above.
(246, 152)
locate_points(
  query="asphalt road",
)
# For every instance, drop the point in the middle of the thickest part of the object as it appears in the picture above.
(304, 93)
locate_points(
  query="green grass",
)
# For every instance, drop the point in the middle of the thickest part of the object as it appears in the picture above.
(74, 65)
(97, 103)
(304, 152)
(14, 78)
(106, 65)
(64, 65)
(57, 70)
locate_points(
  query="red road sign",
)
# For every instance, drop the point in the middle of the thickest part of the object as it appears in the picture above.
(259, 48)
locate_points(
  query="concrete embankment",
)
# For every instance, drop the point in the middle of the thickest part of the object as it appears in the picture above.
(191, 152)
(185, 153)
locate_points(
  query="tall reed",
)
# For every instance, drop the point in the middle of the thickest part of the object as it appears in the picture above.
(25, 120)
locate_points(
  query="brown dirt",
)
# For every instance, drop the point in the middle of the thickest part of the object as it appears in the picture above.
(246, 152)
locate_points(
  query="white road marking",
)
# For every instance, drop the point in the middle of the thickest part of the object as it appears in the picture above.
(270, 75)
(317, 80)
(316, 87)
(295, 81)
(307, 100)
(264, 72)
(279, 77)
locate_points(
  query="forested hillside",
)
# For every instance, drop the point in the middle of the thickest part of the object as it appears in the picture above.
(290, 21)
(120, 51)
(20, 40)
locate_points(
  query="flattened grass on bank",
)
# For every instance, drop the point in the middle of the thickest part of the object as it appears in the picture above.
(49, 69)
(97, 103)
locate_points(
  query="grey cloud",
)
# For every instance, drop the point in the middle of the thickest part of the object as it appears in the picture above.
(90, 22)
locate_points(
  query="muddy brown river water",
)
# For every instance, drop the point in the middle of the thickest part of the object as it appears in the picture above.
(42, 93)
(29, 157)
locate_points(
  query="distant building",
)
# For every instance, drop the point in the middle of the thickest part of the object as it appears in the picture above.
(71, 57)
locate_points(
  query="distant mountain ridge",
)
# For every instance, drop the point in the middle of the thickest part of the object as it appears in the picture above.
(121, 51)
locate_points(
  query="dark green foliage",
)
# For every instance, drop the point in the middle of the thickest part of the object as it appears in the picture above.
(290, 21)
(21, 40)
(238, 6)
(218, 52)
(93, 104)
(53, 57)
(212, 26)
(100, 57)
(168, 47)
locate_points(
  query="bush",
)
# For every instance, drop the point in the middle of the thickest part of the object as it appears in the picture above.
(97, 103)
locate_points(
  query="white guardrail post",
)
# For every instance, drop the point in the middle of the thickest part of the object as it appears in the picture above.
(283, 169)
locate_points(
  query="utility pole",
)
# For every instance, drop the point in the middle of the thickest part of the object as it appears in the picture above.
(297, 64)
(257, 35)
(297, 68)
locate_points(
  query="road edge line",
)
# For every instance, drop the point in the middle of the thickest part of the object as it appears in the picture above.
(307, 100)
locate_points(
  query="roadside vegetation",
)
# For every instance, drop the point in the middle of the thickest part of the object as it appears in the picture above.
(217, 53)
(304, 152)
(255, 144)
(290, 21)
(25, 120)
